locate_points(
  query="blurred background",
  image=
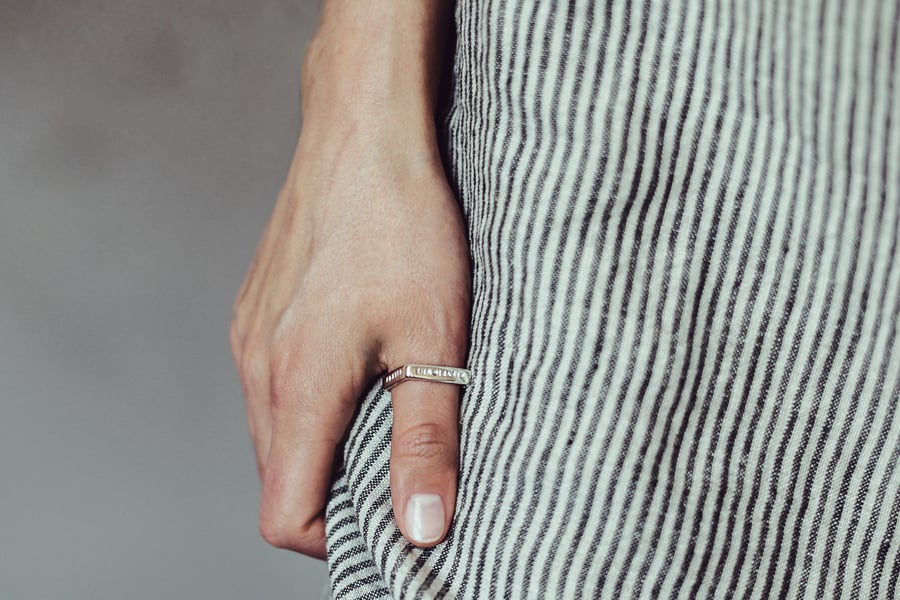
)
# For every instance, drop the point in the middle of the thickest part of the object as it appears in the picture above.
(142, 144)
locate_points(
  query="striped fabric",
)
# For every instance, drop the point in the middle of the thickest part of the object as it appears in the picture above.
(683, 218)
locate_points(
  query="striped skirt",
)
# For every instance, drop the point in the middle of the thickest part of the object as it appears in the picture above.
(683, 218)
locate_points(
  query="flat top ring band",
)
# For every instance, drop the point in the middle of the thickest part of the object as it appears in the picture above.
(436, 373)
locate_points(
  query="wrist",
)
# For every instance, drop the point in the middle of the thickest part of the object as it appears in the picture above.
(388, 146)
(375, 59)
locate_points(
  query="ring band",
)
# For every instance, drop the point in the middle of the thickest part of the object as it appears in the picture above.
(436, 373)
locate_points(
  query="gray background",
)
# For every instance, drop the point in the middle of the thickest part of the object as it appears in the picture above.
(142, 144)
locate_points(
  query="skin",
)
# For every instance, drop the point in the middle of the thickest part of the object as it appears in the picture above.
(362, 267)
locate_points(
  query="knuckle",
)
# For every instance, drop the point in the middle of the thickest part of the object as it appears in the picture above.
(275, 532)
(426, 443)
(282, 384)
(449, 321)
(282, 532)
(279, 367)
(274, 524)
(254, 366)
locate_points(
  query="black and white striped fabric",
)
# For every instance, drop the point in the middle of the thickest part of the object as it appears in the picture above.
(683, 218)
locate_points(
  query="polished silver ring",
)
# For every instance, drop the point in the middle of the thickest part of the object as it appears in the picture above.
(436, 373)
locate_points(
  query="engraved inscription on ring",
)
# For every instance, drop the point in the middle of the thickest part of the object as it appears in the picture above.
(445, 374)
(435, 372)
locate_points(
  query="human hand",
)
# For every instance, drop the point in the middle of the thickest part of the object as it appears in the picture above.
(363, 267)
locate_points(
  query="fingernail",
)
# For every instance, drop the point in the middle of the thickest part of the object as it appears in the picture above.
(425, 517)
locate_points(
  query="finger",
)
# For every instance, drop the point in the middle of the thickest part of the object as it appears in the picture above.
(255, 379)
(261, 436)
(424, 459)
(312, 403)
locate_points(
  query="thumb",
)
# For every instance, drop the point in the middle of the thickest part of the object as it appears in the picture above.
(424, 458)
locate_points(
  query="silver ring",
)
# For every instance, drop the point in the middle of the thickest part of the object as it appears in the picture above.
(436, 373)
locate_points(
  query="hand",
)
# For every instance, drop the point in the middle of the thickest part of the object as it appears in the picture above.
(363, 267)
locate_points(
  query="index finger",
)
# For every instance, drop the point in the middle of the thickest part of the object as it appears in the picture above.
(308, 421)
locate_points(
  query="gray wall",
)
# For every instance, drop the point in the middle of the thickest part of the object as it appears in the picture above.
(142, 143)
